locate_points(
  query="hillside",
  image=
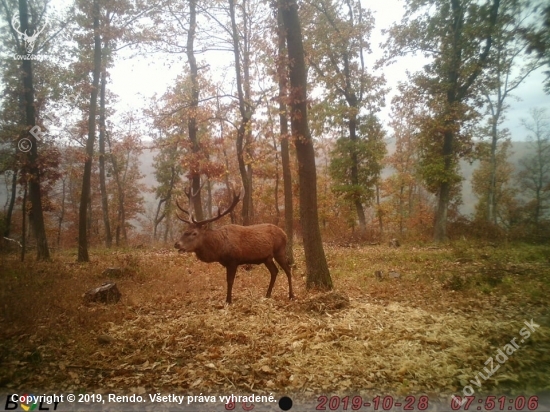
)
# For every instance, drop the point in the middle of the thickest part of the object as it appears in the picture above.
(518, 151)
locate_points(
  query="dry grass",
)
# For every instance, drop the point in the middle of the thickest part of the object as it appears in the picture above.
(428, 331)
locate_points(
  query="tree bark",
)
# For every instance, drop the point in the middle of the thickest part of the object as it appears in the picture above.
(43, 252)
(194, 105)
(243, 134)
(355, 171)
(24, 224)
(13, 195)
(166, 201)
(102, 184)
(379, 213)
(440, 226)
(86, 180)
(158, 218)
(62, 212)
(282, 74)
(318, 274)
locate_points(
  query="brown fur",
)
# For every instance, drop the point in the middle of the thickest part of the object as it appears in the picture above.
(234, 245)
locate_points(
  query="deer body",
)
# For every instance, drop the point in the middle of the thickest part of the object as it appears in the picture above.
(242, 244)
(234, 245)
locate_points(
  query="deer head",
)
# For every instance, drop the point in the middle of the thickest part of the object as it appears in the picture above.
(192, 237)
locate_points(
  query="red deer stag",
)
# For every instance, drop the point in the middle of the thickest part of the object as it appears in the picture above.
(234, 245)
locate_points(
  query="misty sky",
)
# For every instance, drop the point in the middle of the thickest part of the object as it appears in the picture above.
(136, 80)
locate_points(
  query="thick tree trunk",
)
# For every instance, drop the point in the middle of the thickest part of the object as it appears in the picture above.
(86, 179)
(102, 184)
(43, 253)
(318, 274)
(287, 189)
(282, 74)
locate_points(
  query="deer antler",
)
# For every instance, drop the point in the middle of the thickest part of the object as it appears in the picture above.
(236, 199)
(183, 210)
(190, 193)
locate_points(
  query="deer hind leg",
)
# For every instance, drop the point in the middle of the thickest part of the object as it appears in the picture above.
(283, 262)
(274, 271)
(231, 272)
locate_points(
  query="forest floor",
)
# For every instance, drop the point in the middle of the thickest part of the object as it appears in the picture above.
(430, 329)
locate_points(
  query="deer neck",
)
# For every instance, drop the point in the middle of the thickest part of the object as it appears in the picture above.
(211, 247)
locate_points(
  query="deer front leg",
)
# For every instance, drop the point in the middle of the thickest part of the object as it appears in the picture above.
(231, 272)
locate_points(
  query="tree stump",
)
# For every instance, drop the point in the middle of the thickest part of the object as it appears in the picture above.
(106, 293)
(395, 243)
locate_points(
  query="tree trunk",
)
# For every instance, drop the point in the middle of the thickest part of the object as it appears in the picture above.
(443, 197)
(167, 230)
(282, 74)
(102, 185)
(491, 195)
(158, 219)
(355, 172)
(209, 197)
(244, 172)
(401, 206)
(43, 253)
(277, 182)
(287, 189)
(193, 106)
(246, 114)
(86, 180)
(491, 214)
(24, 224)
(456, 93)
(318, 274)
(379, 212)
(11, 204)
(120, 192)
(226, 178)
(62, 213)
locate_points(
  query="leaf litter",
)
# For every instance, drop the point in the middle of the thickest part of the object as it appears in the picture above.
(361, 343)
